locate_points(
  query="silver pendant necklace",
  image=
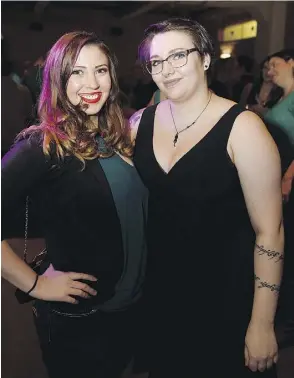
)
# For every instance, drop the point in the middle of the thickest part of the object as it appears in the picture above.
(187, 127)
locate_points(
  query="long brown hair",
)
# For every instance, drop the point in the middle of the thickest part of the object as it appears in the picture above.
(68, 127)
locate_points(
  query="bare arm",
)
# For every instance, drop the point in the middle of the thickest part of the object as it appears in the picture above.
(257, 160)
(14, 270)
(59, 288)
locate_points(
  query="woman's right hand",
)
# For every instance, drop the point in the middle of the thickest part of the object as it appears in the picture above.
(60, 286)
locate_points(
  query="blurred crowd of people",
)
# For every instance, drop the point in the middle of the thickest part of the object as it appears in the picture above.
(261, 90)
(21, 84)
(267, 90)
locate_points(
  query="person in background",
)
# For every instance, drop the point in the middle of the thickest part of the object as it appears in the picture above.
(214, 219)
(17, 107)
(263, 93)
(281, 71)
(76, 169)
(142, 89)
(220, 77)
(242, 75)
(125, 105)
(33, 80)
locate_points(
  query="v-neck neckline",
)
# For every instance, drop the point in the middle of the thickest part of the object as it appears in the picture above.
(189, 151)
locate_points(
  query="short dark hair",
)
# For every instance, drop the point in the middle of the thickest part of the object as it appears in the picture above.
(198, 33)
(286, 54)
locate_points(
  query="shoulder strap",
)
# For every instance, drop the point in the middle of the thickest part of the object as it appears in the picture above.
(145, 130)
(229, 119)
(224, 126)
(146, 124)
(149, 113)
(233, 113)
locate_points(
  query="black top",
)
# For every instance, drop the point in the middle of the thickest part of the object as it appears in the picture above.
(200, 278)
(201, 195)
(76, 213)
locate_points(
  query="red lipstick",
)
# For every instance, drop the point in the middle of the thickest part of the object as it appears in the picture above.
(91, 98)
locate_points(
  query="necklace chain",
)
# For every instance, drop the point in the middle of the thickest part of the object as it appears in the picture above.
(187, 127)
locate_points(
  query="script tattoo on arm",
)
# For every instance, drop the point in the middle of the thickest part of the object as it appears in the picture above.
(278, 256)
(261, 284)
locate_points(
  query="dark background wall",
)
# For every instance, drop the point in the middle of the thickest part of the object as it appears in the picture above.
(131, 18)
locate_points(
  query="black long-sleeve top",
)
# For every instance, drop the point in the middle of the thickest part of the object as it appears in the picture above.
(73, 208)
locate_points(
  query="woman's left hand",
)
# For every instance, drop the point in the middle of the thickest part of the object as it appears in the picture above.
(261, 348)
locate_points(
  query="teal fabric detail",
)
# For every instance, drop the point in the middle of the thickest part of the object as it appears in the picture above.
(131, 200)
(157, 97)
(282, 115)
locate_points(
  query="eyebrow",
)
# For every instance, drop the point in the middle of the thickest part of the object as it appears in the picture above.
(100, 65)
(170, 52)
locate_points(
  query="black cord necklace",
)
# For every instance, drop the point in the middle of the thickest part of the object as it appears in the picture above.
(187, 127)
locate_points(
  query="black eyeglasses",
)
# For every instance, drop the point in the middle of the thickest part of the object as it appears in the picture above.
(176, 60)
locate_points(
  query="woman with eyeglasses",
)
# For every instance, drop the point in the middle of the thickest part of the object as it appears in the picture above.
(215, 230)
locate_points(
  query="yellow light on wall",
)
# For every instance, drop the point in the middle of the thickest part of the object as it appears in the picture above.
(249, 29)
(244, 30)
(232, 33)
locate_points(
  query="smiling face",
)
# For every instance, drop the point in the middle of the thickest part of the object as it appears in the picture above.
(281, 71)
(90, 82)
(183, 82)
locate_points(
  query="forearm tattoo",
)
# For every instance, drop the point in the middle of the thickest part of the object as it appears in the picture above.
(272, 255)
(261, 284)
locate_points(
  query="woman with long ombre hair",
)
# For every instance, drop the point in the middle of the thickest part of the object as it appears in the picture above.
(75, 168)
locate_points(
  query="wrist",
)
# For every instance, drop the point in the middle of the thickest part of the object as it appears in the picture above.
(34, 285)
(37, 291)
(261, 322)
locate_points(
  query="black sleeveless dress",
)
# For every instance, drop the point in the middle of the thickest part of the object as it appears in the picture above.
(199, 285)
